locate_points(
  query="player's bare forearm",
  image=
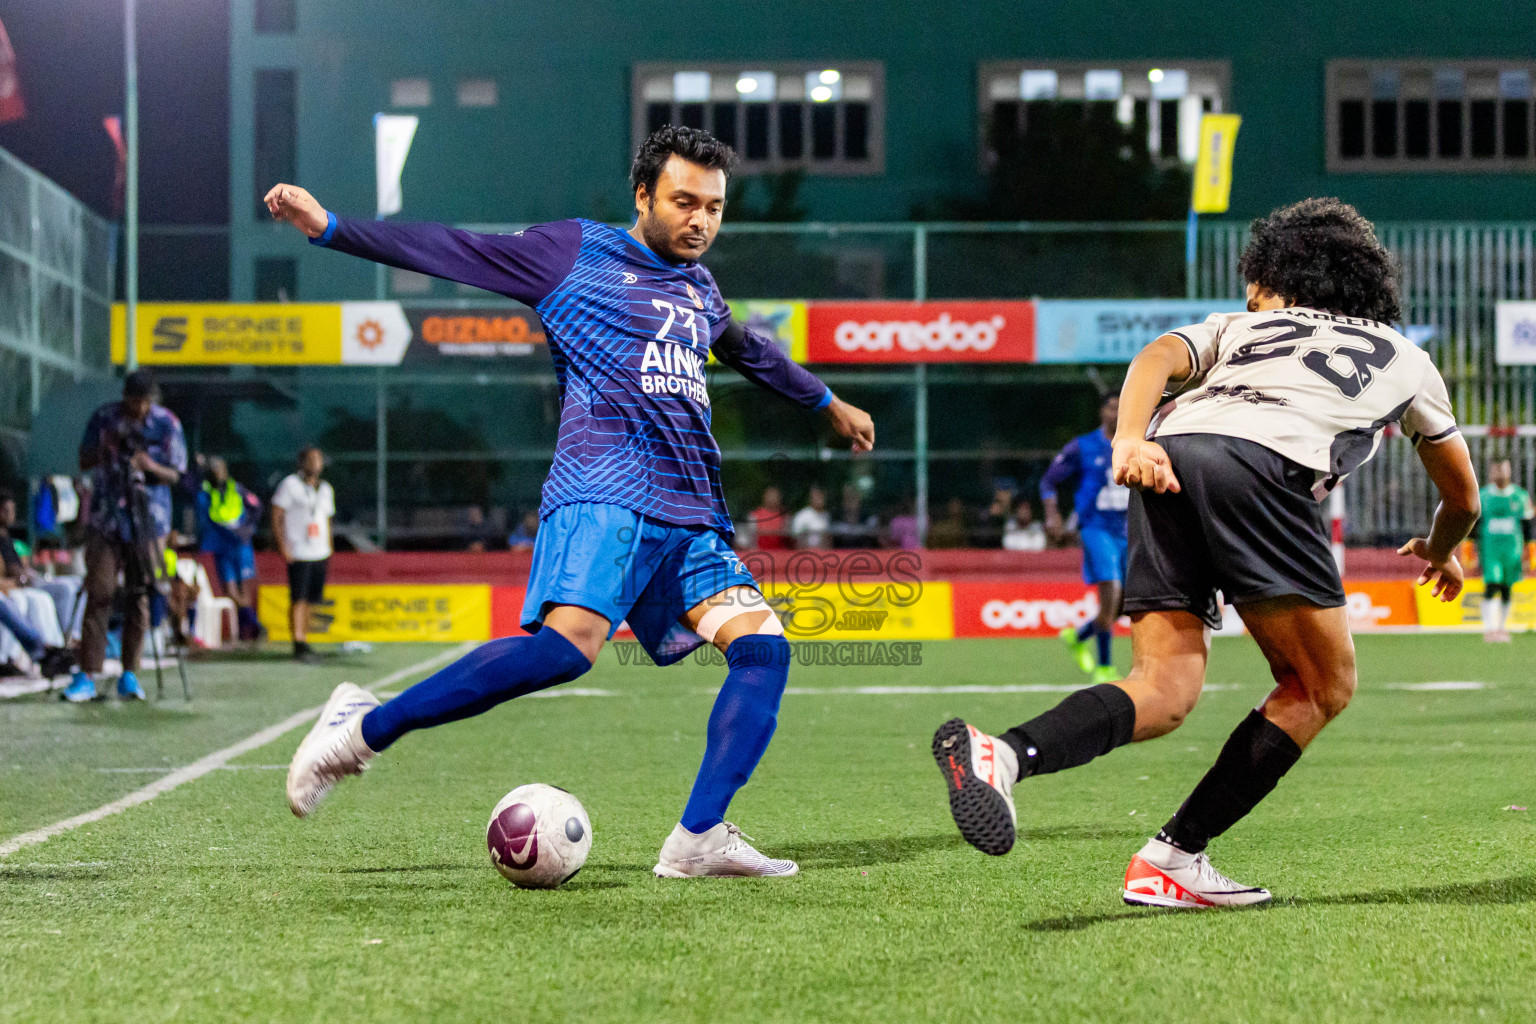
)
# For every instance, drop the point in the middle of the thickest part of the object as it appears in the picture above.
(290, 204)
(1449, 466)
(1138, 462)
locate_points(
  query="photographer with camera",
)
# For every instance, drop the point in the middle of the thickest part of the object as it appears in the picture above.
(134, 450)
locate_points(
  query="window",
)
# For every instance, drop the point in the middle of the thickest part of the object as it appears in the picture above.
(823, 118)
(276, 15)
(277, 280)
(410, 92)
(477, 92)
(1430, 115)
(1160, 101)
(276, 121)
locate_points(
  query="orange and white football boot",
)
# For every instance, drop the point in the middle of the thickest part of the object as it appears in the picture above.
(1162, 875)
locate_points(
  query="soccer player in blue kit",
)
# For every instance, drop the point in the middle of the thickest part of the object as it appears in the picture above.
(1101, 506)
(634, 521)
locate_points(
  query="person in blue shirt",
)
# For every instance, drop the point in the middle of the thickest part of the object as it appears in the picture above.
(1101, 505)
(228, 515)
(634, 524)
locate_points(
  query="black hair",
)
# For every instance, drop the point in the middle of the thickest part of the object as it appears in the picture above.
(140, 384)
(6, 494)
(1322, 254)
(304, 452)
(694, 145)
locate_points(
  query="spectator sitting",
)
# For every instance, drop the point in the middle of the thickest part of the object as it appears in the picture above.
(853, 528)
(1023, 533)
(479, 533)
(522, 537)
(29, 618)
(949, 532)
(768, 523)
(811, 524)
(993, 523)
(906, 529)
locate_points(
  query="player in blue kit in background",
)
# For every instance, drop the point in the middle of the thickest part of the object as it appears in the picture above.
(634, 521)
(1101, 505)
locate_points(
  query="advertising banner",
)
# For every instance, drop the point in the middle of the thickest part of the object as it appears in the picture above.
(450, 333)
(1466, 612)
(1380, 604)
(1213, 165)
(921, 332)
(785, 322)
(1114, 330)
(864, 611)
(448, 613)
(264, 334)
(1024, 609)
(1515, 330)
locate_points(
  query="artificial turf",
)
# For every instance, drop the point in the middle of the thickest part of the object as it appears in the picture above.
(1404, 888)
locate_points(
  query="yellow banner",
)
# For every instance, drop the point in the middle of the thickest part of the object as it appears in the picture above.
(785, 322)
(384, 612)
(221, 333)
(864, 611)
(1213, 167)
(1466, 612)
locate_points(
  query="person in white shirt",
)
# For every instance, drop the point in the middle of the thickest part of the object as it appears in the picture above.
(812, 525)
(302, 508)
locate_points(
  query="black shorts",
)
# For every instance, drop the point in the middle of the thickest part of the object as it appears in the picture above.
(306, 581)
(1245, 523)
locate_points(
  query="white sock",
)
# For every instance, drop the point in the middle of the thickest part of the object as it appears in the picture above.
(1493, 614)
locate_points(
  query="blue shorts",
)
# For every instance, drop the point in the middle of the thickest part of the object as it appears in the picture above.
(233, 563)
(630, 568)
(1103, 555)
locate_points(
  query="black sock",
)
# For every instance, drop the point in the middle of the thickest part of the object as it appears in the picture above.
(1249, 766)
(300, 647)
(1091, 722)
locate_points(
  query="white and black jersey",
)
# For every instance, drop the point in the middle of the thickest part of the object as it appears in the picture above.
(1316, 387)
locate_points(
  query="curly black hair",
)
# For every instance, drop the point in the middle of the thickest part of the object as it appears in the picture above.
(692, 144)
(1322, 254)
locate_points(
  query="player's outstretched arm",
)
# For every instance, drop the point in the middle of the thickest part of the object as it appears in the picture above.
(1449, 466)
(1137, 461)
(525, 266)
(763, 363)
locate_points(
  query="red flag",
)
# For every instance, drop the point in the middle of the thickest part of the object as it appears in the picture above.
(114, 127)
(12, 108)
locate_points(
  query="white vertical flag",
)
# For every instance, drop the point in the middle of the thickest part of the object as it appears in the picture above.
(392, 143)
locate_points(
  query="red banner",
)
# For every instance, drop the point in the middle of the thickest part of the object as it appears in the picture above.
(1023, 609)
(921, 332)
(12, 107)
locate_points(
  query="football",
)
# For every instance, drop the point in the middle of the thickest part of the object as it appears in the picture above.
(539, 836)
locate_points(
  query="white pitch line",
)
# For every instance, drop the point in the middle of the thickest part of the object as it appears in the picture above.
(214, 761)
(1449, 684)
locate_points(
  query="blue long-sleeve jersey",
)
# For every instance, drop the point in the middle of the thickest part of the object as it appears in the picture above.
(629, 333)
(1100, 502)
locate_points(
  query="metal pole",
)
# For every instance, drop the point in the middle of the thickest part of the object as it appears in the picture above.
(131, 184)
(920, 387)
(1191, 245)
(381, 455)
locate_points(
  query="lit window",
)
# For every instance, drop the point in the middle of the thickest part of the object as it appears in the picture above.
(477, 92)
(821, 118)
(1159, 103)
(1430, 115)
(410, 92)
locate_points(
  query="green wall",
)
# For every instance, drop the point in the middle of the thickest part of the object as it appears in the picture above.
(558, 142)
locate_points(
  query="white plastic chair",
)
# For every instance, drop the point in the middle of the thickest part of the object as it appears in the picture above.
(211, 611)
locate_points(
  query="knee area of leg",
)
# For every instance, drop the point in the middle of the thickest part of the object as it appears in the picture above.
(759, 650)
(1336, 693)
(563, 658)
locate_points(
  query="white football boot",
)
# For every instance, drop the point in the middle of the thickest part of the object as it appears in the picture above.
(333, 749)
(980, 771)
(1162, 875)
(720, 852)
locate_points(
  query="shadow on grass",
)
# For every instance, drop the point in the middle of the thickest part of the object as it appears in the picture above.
(862, 852)
(1491, 892)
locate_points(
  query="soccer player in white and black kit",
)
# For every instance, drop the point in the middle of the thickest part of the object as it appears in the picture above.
(1269, 410)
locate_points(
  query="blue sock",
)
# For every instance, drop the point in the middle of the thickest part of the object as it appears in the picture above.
(740, 726)
(487, 676)
(1087, 630)
(1106, 646)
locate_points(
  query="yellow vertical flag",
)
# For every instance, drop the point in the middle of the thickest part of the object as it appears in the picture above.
(1213, 168)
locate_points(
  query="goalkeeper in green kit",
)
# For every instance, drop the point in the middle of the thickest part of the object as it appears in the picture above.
(1503, 534)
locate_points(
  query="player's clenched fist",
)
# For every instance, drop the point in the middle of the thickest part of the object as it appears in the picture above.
(297, 207)
(1144, 464)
